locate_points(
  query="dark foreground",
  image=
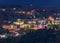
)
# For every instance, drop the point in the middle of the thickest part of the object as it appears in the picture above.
(39, 36)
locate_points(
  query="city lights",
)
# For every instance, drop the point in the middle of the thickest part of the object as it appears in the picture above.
(22, 20)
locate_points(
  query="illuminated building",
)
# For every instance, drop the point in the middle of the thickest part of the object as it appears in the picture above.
(35, 27)
(40, 26)
(28, 12)
(50, 18)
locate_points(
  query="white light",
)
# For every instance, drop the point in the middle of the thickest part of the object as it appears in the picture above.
(14, 8)
(17, 34)
(16, 23)
(44, 10)
(3, 36)
(3, 9)
(58, 13)
(57, 18)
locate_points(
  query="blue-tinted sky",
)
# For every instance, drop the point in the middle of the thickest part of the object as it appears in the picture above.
(37, 3)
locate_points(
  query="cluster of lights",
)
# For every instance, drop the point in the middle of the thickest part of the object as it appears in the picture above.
(58, 18)
(23, 12)
(26, 12)
(3, 36)
(33, 22)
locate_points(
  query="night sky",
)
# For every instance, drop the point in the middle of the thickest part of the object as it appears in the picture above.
(35, 3)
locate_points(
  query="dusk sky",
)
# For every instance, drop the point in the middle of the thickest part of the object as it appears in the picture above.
(37, 3)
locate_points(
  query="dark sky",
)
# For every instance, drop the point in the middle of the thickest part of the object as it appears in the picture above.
(36, 3)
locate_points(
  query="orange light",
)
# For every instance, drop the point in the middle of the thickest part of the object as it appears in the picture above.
(23, 12)
(50, 18)
(28, 12)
